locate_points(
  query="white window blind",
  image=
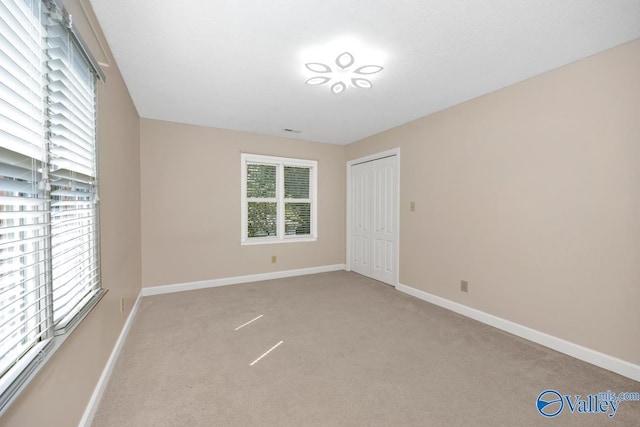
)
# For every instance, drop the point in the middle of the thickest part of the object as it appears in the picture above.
(24, 230)
(49, 261)
(262, 201)
(278, 199)
(297, 200)
(72, 164)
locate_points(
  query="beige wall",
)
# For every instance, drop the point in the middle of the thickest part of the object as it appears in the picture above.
(59, 394)
(191, 204)
(532, 194)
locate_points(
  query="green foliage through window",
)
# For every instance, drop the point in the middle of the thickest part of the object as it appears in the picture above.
(297, 219)
(296, 182)
(263, 219)
(261, 181)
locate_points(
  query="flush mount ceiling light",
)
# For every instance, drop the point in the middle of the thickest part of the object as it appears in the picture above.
(344, 74)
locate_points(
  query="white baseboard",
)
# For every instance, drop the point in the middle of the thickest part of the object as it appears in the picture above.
(92, 406)
(588, 355)
(190, 286)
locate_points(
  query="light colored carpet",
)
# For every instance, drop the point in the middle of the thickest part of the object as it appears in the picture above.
(354, 352)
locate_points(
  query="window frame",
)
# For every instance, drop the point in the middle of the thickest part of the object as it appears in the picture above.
(280, 200)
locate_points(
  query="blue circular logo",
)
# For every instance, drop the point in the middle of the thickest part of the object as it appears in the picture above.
(549, 403)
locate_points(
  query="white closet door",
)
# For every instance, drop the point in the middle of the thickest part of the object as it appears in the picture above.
(373, 219)
(383, 230)
(361, 218)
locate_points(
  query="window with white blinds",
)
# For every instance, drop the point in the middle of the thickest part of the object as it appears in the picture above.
(49, 260)
(25, 323)
(72, 174)
(278, 199)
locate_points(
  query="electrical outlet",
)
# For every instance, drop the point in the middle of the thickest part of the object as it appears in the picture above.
(412, 206)
(274, 259)
(464, 286)
(121, 305)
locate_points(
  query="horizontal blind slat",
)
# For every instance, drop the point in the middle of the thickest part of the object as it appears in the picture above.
(63, 137)
(31, 240)
(15, 107)
(27, 215)
(22, 201)
(23, 140)
(33, 297)
(17, 272)
(76, 293)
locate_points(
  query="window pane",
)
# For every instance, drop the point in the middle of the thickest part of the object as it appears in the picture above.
(296, 182)
(74, 243)
(262, 219)
(261, 181)
(75, 271)
(297, 219)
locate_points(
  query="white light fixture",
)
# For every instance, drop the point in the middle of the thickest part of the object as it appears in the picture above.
(343, 74)
(338, 87)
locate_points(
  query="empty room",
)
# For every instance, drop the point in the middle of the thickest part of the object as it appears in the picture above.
(322, 213)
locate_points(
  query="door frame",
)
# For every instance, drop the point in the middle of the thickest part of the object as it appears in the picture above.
(396, 249)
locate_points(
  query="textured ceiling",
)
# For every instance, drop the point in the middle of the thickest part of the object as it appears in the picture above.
(239, 64)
